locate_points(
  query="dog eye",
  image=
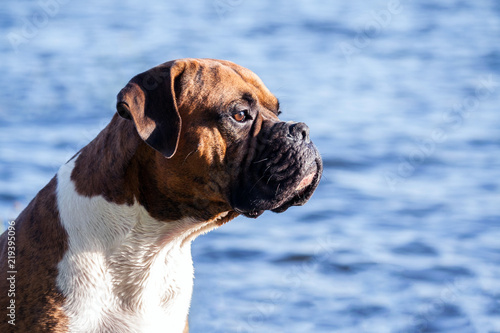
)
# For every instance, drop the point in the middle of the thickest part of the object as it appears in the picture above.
(241, 116)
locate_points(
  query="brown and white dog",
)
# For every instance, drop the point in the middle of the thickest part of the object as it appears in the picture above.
(105, 246)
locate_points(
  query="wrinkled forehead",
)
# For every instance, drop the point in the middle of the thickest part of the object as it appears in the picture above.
(220, 81)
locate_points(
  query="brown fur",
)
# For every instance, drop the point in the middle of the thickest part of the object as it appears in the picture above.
(193, 182)
(40, 244)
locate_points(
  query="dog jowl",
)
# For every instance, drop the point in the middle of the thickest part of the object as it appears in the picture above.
(283, 171)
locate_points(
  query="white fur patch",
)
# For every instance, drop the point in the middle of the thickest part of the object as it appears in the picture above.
(124, 271)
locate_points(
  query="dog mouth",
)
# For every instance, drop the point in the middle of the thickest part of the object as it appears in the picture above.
(297, 194)
(289, 176)
(303, 191)
(306, 181)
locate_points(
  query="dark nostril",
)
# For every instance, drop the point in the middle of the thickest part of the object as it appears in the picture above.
(299, 131)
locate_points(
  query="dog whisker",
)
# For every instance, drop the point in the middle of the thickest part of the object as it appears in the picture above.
(194, 151)
(258, 180)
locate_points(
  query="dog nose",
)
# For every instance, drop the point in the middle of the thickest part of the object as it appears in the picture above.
(299, 132)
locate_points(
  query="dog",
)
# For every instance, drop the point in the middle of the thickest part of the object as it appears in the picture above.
(105, 245)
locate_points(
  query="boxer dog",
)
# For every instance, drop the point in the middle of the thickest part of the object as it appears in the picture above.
(105, 246)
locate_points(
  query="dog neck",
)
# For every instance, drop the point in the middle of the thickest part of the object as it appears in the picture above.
(119, 166)
(123, 268)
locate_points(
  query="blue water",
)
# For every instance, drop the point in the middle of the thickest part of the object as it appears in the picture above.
(403, 233)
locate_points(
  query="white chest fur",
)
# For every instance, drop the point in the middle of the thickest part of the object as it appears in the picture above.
(123, 271)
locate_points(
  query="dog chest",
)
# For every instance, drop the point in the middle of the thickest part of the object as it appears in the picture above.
(123, 271)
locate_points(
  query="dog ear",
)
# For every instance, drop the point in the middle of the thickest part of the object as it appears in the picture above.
(149, 99)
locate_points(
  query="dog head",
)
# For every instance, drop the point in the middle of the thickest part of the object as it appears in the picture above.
(218, 141)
